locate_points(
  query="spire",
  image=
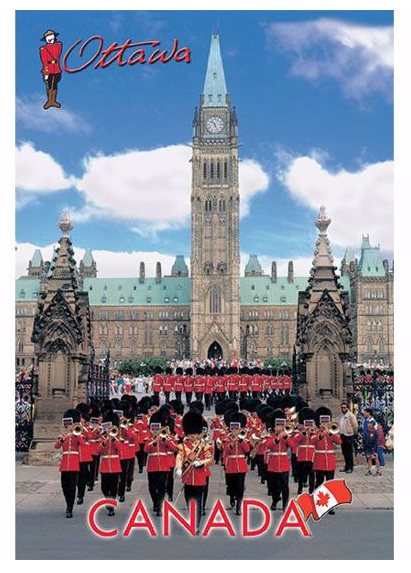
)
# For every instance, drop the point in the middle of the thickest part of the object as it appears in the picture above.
(366, 242)
(37, 259)
(371, 263)
(322, 253)
(88, 259)
(179, 268)
(253, 267)
(215, 91)
(65, 223)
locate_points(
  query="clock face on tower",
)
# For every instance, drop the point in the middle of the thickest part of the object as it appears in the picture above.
(215, 124)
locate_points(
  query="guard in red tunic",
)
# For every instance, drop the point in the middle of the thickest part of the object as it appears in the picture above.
(158, 461)
(236, 448)
(233, 386)
(220, 387)
(217, 424)
(86, 449)
(70, 441)
(129, 442)
(110, 450)
(304, 441)
(157, 384)
(188, 387)
(256, 385)
(208, 391)
(325, 440)
(50, 57)
(199, 387)
(278, 462)
(194, 456)
(168, 383)
(178, 386)
(94, 426)
(243, 386)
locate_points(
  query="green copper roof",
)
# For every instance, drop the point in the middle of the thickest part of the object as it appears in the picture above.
(253, 266)
(27, 289)
(349, 256)
(370, 264)
(175, 291)
(88, 260)
(179, 267)
(215, 90)
(37, 259)
(130, 292)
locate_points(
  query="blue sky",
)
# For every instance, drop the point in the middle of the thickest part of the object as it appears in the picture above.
(313, 93)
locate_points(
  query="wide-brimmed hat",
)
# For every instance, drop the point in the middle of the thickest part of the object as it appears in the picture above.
(48, 33)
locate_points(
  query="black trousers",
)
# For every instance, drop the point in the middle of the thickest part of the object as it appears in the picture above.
(109, 485)
(83, 478)
(94, 467)
(68, 485)
(195, 492)
(167, 395)
(347, 448)
(278, 483)
(156, 394)
(294, 466)
(217, 453)
(305, 473)
(321, 475)
(189, 396)
(255, 394)
(199, 396)
(170, 483)
(125, 475)
(207, 398)
(178, 395)
(53, 80)
(220, 395)
(243, 395)
(157, 487)
(205, 492)
(236, 486)
(141, 457)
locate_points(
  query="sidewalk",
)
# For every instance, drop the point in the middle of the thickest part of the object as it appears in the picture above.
(39, 486)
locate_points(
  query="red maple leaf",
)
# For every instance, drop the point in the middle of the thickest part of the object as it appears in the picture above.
(322, 499)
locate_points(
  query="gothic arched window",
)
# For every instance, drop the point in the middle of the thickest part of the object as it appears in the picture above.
(205, 170)
(208, 205)
(381, 345)
(215, 300)
(218, 170)
(225, 170)
(369, 344)
(20, 346)
(211, 169)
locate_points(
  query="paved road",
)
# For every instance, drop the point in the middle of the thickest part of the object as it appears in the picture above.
(363, 534)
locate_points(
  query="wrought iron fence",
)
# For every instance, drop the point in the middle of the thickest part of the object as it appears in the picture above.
(98, 385)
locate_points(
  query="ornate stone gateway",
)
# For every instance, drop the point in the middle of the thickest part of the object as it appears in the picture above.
(215, 352)
(24, 412)
(323, 333)
(62, 343)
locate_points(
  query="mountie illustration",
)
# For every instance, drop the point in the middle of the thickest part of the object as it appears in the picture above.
(50, 57)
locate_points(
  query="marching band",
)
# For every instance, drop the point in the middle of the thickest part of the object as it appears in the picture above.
(278, 437)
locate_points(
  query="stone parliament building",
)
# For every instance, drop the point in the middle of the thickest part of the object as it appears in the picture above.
(212, 311)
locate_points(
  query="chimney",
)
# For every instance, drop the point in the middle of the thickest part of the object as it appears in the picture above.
(290, 272)
(142, 275)
(158, 272)
(274, 272)
(386, 266)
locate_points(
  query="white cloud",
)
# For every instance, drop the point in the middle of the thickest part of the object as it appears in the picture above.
(152, 187)
(110, 264)
(30, 112)
(357, 202)
(38, 172)
(360, 58)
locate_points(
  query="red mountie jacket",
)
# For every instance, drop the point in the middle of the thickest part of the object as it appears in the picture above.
(158, 459)
(233, 383)
(128, 448)
(324, 457)
(50, 55)
(70, 462)
(188, 384)
(86, 448)
(157, 383)
(110, 451)
(234, 455)
(277, 454)
(195, 476)
(243, 384)
(256, 383)
(305, 446)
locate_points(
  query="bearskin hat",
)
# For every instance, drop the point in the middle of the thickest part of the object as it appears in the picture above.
(305, 414)
(273, 416)
(321, 411)
(227, 415)
(192, 422)
(244, 404)
(72, 413)
(177, 406)
(158, 418)
(289, 402)
(274, 401)
(83, 408)
(254, 403)
(238, 417)
(197, 405)
(264, 413)
(231, 405)
(111, 417)
(219, 408)
(155, 401)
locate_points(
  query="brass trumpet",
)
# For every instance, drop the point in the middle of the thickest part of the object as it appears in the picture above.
(164, 433)
(289, 427)
(77, 429)
(334, 428)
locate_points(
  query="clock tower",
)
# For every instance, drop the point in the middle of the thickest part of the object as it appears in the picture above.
(215, 203)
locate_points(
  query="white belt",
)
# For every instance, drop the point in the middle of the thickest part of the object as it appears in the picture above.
(228, 457)
(67, 453)
(306, 446)
(158, 454)
(94, 441)
(109, 457)
(324, 451)
(277, 454)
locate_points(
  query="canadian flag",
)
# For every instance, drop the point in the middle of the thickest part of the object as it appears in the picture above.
(324, 498)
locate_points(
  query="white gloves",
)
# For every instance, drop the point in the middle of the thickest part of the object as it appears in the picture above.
(197, 463)
(178, 472)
